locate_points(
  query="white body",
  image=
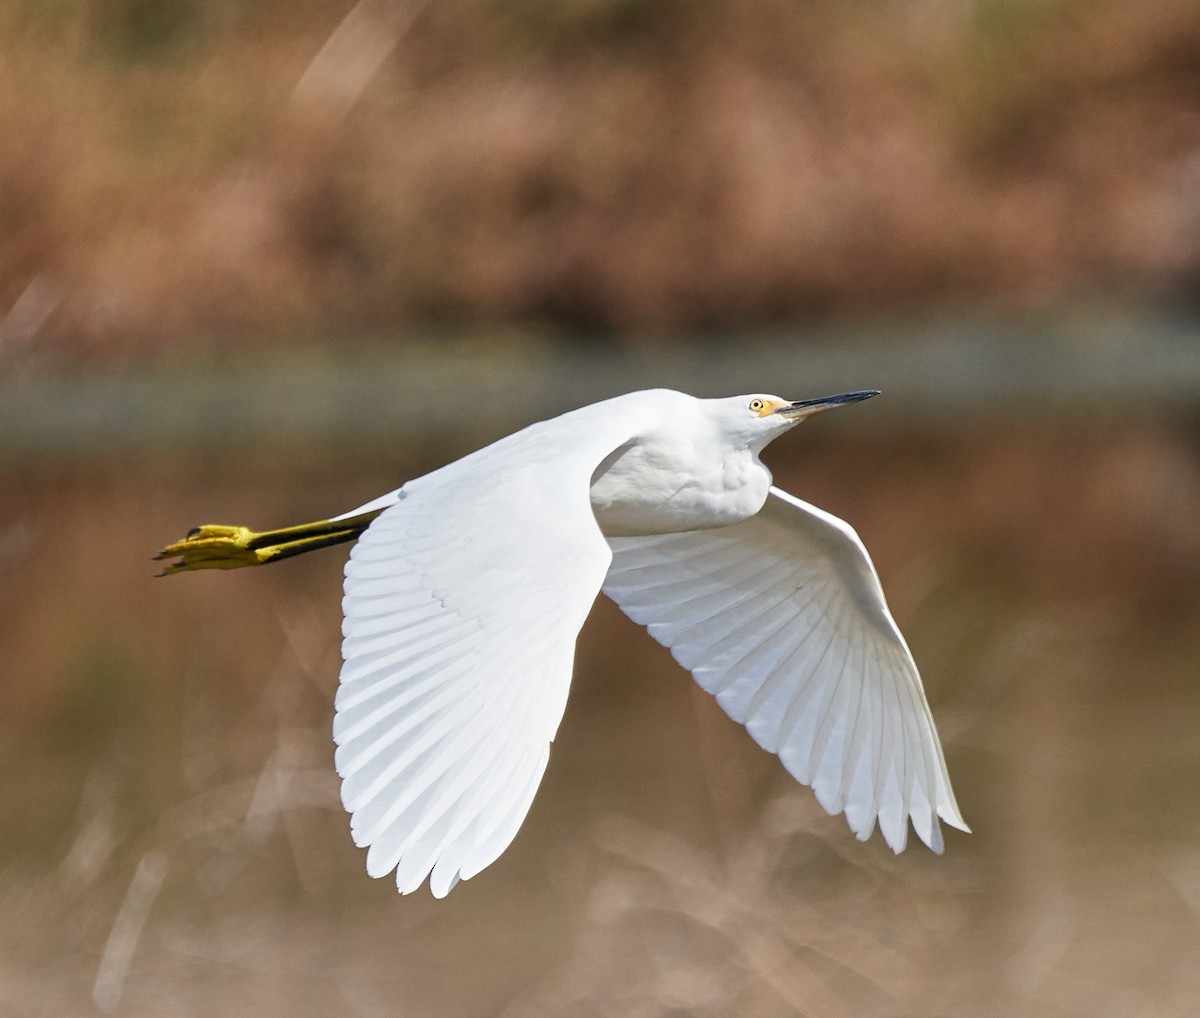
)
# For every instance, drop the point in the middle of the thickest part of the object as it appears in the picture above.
(677, 474)
(464, 598)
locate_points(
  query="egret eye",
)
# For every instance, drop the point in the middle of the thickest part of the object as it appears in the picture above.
(758, 405)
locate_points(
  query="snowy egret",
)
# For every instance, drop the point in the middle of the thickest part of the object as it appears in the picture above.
(468, 586)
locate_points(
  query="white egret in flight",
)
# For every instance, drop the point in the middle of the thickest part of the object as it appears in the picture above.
(468, 586)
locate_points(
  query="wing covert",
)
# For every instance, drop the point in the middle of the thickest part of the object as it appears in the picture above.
(782, 618)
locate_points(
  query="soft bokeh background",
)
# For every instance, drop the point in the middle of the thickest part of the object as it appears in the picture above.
(260, 262)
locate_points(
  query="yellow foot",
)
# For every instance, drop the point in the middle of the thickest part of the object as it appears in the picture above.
(212, 546)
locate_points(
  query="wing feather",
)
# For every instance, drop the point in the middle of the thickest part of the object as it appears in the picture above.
(782, 617)
(462, 603)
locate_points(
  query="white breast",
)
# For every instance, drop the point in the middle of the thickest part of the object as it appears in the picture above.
(664, 487)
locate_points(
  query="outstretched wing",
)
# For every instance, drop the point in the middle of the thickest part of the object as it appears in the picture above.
(462, 604)
(782, 618)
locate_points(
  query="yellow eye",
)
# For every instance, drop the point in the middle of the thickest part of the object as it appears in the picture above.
(758, 405)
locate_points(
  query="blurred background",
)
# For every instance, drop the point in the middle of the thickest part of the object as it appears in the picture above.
(262, 261)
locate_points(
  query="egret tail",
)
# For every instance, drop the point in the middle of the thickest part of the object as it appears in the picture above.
(215, 546)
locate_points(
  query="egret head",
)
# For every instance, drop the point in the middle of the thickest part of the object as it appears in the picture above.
(762, 417)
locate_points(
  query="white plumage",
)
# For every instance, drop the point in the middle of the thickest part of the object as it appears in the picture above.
(463, 600)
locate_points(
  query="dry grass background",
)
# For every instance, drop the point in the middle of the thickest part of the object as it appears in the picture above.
(186, 172)
(180, 179)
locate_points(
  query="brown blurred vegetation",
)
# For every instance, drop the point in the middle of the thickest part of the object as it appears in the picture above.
(201, 175)
(602, 165)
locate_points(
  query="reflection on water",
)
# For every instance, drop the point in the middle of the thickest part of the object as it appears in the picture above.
(174, 840)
